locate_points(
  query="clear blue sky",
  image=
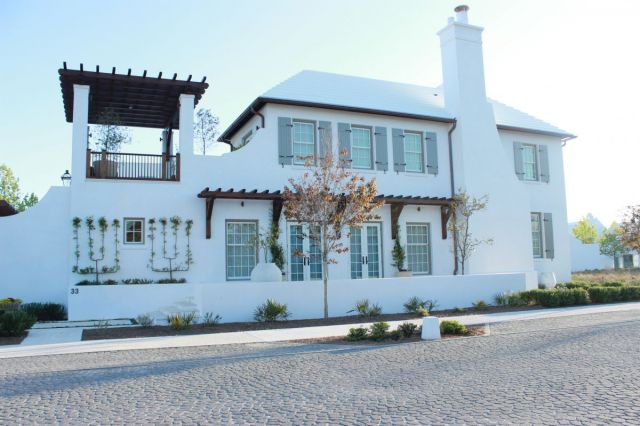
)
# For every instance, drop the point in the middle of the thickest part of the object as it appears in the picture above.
(573, 63)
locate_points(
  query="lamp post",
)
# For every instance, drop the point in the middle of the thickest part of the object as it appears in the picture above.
(66, 178)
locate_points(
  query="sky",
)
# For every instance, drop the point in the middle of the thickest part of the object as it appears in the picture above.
(573, 63)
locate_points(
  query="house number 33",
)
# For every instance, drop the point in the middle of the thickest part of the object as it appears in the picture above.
(75, 290)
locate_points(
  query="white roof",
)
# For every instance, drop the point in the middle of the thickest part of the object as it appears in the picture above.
(366, 93)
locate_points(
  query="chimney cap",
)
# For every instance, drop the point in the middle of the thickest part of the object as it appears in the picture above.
(461, 8)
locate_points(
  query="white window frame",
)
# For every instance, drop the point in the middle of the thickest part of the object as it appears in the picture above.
(125, 232)
(298, 160)
(353, 163)
(540, 232)
(246, 138)
(227, 245)
(535, 163)
(428, 245)
(421, 152)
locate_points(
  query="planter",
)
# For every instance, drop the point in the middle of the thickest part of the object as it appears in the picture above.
(404, 274)
(266, 272)
(548, 279)
(105, 168)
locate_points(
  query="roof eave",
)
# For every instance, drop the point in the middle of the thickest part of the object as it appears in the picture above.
(561, 135)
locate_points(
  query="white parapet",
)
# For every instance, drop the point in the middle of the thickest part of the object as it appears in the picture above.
(430, 328)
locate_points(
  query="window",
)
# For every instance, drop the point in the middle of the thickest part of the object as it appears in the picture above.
(133, 230)
(536, 234)
(418, 250)
(413, 154)
(361, 148)
(242, 253)
(246, 139)
(529, 162)
(304, 143)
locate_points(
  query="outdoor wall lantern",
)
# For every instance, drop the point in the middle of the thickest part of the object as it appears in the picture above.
(66, 178)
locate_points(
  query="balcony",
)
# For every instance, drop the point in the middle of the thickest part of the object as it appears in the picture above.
(125, 166)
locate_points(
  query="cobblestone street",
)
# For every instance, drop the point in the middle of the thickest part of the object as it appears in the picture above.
(576, 370)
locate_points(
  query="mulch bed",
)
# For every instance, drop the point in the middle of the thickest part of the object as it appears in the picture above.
(163, 330)
(11, 340)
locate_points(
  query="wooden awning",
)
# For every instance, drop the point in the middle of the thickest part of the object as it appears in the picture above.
(397, 203)
(138, 101)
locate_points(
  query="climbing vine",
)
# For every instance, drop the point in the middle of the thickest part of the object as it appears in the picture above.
(96, 256)
(170, 241)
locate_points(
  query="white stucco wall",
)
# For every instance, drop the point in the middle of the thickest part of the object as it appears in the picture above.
(587, 256)
(33, 250)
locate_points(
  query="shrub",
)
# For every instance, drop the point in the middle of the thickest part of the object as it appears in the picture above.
(357, 333)
(480, 305)
(379, 330)
(630, 293)
(422, 312)
(459, 309)
(558, 297)
(415, 305)
(394, 335)
(109, 282)
(15, 323)
(88, 282)
(172, 281)
(10, 301)
(517, 299)
(181, 321)
(407, 329)
(271, 311)
(145, 320)
(137, 281)
(46, 311)
(612, 284)
(452, 327)
(364, 309)
(599, 294)
(501, 299)
(210, 320)
(542, 286)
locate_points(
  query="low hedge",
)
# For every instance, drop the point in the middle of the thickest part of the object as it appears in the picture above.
(556, 297)
(15, 323)
(46, 311)
(614, 294)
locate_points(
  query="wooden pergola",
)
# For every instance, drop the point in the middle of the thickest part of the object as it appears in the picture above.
(137, 101)
(397, 203)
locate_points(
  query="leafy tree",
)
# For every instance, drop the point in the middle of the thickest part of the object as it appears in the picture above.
(10, 190)
(329, 198)
(585, 231)
(630, 228)
(398, 254)
(110, 133)
(464, 207)
(205, 129)
(611, 243)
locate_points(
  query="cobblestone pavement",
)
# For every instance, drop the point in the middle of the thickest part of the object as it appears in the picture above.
(576, 370)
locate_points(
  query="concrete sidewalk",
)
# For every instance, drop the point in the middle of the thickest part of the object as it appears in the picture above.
(263, 336)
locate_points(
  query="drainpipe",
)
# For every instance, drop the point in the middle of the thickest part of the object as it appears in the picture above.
(453, 193)
(254, 112)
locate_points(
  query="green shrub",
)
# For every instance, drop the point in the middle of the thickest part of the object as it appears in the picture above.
(542, 286)
(630, 292)
(452, 327)
(480, 305)
(181, 321)
(501, 299)
(88, 282)
(612, 284)
(422, 307)
(10, 301)
(407, 329)
(558, 297)
(145, 320)
(137, 281)
(364, 309)
(109, 282)
(459, 310)
(357, 333)
(599, 294)
(46, 311)
(394, 334)
(15, 323)
(378, 330)
(172, 281)
(209, 319)
(271, 311)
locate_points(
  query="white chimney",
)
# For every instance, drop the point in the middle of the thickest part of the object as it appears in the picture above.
(461, 14)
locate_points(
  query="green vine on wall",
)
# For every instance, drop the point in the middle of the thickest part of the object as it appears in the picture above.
(103, 227)
(171, 225)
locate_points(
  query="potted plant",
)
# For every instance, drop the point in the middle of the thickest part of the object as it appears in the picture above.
(398, 255)
(265, 271)
(10, 304)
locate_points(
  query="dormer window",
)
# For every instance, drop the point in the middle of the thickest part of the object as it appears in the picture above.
(304, 143)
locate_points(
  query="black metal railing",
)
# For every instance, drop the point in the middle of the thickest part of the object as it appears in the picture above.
(117, 165)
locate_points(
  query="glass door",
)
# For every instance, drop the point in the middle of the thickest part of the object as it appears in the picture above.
(305, 254)
(365, 248)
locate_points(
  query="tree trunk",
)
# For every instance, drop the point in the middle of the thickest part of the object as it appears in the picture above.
(325, 273)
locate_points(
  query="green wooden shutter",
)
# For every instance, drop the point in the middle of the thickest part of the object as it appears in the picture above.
(549, 251)
(382, 155)
(432, 152)
(397, 140)
(285, 140)
(344, 143)
(544, 163)
(517, 157)
(324, 138)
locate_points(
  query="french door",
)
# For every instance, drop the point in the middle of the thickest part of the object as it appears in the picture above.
(305, 255)
(365, 251)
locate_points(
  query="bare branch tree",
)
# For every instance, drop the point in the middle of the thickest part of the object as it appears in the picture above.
(110, 133)
(329, 198)
(464, 207)
(630, 228)
(205, 129)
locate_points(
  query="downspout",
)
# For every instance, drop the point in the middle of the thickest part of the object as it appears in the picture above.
(453, 193)
(254, 112)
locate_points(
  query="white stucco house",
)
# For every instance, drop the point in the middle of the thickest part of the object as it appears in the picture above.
(421, 144)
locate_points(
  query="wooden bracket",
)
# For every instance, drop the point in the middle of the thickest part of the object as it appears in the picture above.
(396, 209)
(209, 213)
(277, 210)
(445, 215)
